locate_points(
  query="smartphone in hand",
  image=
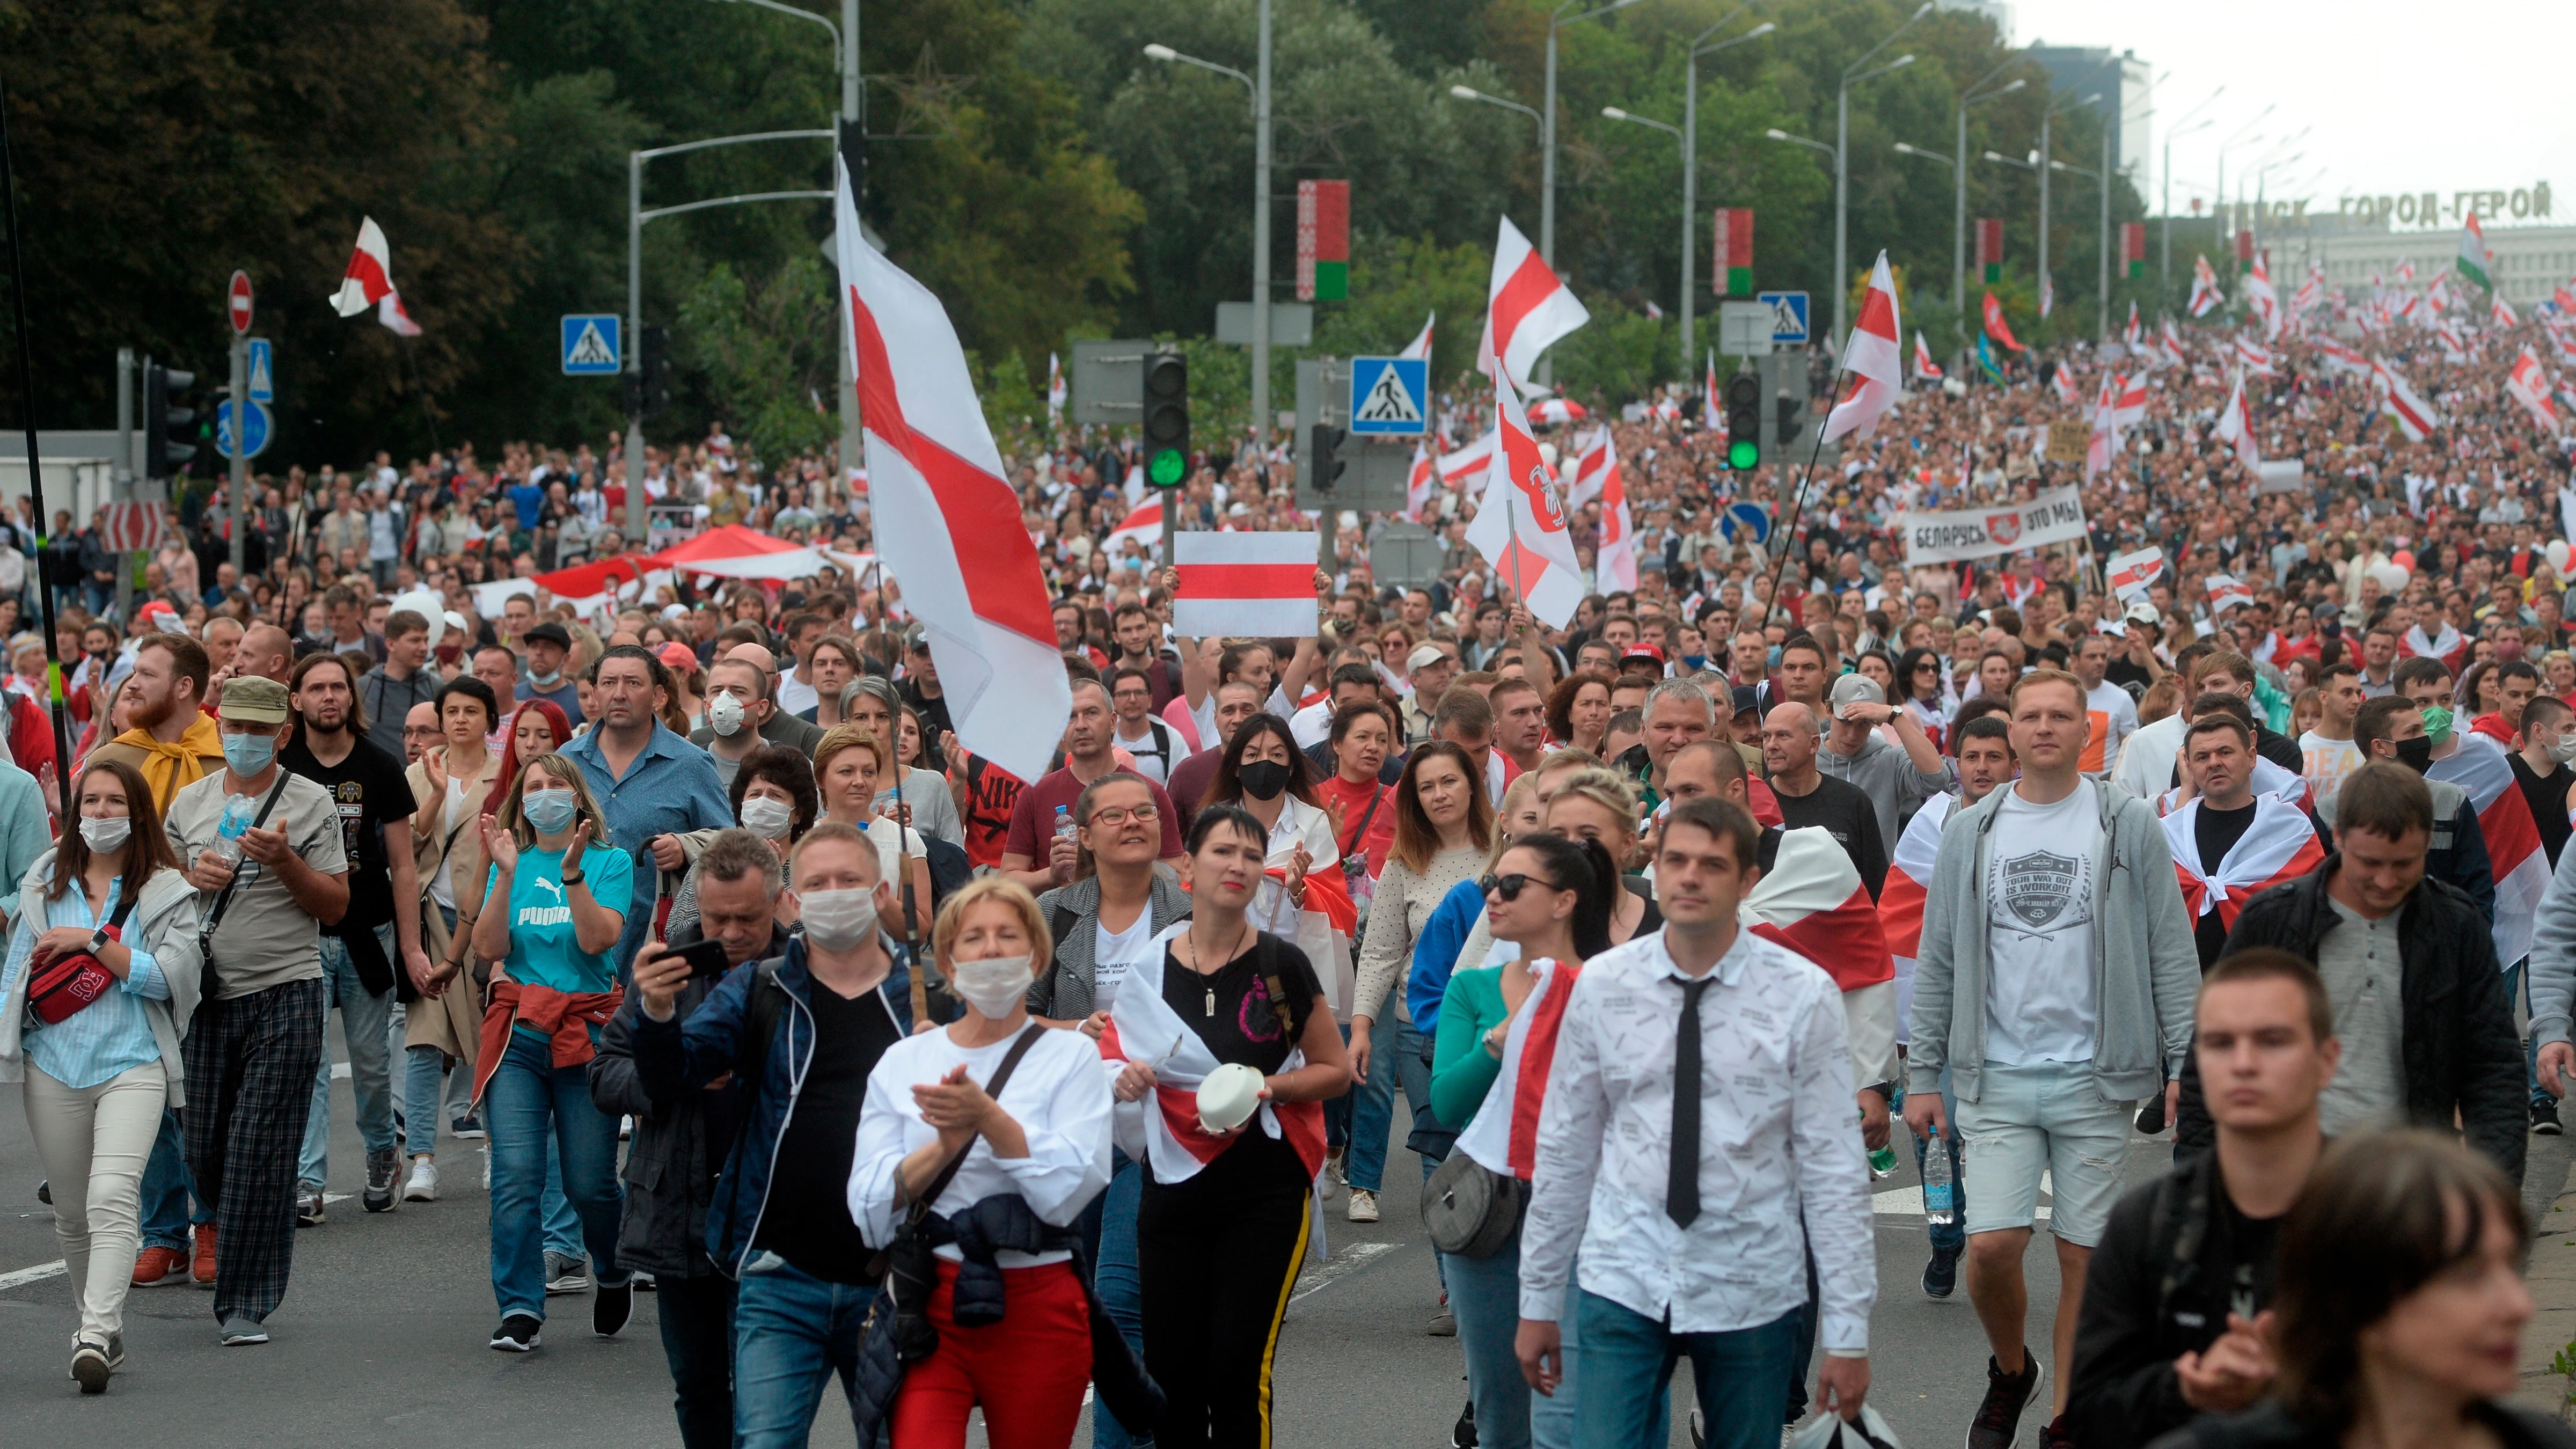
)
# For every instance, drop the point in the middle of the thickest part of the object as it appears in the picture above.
(706, 958)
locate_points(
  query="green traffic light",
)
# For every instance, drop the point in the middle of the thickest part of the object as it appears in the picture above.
(1742, 453)
(1166, 469)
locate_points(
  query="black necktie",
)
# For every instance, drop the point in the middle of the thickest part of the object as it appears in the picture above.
(1681, 1194)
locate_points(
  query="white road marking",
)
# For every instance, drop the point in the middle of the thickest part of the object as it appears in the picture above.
(58, 1268)
(1337, 1267)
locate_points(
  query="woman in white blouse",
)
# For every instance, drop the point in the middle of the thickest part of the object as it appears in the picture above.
(1264, 772)
(1044, 1145)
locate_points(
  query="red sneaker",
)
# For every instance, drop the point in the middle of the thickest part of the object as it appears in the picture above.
(156, 1266)
(203, 1271)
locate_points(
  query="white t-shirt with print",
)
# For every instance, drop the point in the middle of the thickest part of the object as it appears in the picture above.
(2040, 919)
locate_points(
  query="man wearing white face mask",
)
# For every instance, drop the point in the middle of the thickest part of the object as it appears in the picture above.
(738, 704)
(802, 1033)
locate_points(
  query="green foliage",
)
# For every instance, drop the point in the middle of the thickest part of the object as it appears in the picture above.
(768, 354)
(1620, 355)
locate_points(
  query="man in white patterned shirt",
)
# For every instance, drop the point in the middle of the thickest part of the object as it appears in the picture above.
(1697, 1144)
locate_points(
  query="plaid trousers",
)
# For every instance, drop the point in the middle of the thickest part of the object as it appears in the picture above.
(250, 1064)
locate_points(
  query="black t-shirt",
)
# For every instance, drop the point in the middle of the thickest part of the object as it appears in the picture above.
(369, 786)
(2216, 832)
(2547, 796)
(1844, 809)
(807, 1219)
(1231, 1010)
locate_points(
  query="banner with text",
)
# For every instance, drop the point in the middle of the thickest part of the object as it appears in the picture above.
(2053, 517)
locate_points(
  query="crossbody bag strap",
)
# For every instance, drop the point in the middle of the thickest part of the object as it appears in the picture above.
(1361, 834)
(1267, 946)
(992, 1089)
(224, 898)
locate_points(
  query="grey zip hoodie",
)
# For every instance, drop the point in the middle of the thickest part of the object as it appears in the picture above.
(2146, 973)
(1887, 775)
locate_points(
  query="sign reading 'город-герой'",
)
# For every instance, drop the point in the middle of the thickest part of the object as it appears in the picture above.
(2426, 208)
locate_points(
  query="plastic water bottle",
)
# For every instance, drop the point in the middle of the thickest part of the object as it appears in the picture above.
(1063, 823)
(1940, 1203)
(228, 833)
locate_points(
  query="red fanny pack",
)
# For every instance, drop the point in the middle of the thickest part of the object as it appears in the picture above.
(61, 987)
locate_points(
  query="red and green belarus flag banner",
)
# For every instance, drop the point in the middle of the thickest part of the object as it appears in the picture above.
(1990, 249)
(2133, 247)
(2244, 251)
(1323, 241)
(1732, 276)
(2475, 259)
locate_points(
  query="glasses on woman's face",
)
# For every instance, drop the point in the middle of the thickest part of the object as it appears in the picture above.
(1927, 667)
(1509, 887)
(1121, 814)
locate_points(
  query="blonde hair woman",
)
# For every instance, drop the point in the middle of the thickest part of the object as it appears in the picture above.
(848, 762)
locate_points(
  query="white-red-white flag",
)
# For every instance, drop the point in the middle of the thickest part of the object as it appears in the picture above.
(947, 523)
(2061, 381)
(1924, 366)
(1234, 584)
(1614, 558)
(1527, 307)
(1467, 467)
(1056, 393)
(2414, 416)
(2225, 592)
(2132, 574)
(2130, 334)
(2256, 357)
(1420, 346)
(2500, 314)
(1419, 483)
(1520, 525)
(390, 313)
(2236, 427)
(1711, 416)
(2259, 296)
(1873, 358)
(1594, 462)
(2128, 402)
(370, 275)
(1143, 523)
(2205, 295)
(2529, 386)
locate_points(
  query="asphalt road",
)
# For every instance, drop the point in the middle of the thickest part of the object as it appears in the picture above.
(383, 1330)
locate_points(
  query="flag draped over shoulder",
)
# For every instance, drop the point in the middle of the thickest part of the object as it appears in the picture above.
(2514, 854)
(2279, 846)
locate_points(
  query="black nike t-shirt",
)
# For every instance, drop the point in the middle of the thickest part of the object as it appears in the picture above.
(368, 786)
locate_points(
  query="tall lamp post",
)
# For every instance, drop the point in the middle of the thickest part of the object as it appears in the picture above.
(2103, 282)
(2234, 138)
(1853, 74)
(1690, 153)
(2164, 275)
(1260, 88)
(1959, 175)
(1616, 114)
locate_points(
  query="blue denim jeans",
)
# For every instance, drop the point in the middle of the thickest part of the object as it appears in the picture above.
(1629, 1358)
(1115, 1283)
(1552, 1417)
(1370, 1105)
(422, 1083)
(364, 1016)
(1485, 1293)
(170, 1203)
(790, 1331)
(1429, 1140)
(531, 1103)
(563, 1225)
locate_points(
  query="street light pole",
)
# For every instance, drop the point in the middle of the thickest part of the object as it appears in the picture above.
(1690, 155)
(1616, 114)
(1260, 87)
(1842, 170)
(1547, 142)
(2164, 282)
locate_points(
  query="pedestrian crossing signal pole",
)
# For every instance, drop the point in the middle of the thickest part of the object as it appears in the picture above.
(35, 462)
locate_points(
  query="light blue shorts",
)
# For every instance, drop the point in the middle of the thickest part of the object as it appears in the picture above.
(2046, 1117)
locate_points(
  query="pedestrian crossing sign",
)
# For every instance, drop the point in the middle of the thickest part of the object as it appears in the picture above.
(1390, 396)
(590, 344)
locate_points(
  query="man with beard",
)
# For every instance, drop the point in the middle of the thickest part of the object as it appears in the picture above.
(1032, 853)
(374, 800)
(168, 739)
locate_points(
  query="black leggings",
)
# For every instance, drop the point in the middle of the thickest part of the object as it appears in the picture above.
(1218, 1255)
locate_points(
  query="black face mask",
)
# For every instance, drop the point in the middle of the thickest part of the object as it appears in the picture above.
(1263, 780)
(2416, 754)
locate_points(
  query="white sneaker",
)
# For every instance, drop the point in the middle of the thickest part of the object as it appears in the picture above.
(423, 1183)
(1363, 1208)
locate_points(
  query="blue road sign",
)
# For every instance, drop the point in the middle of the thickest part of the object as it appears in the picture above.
(1390, 396)
(590, 344)
(259, 429)
(1745, 521)
(263, 372)
(1788, 317)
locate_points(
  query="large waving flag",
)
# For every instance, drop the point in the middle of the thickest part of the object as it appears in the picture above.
(2236, 427)
(2281, 845)
(2521, 867)
(1614, 557)
(2414, 417)
(1420, 346)
(2169, 345)
(1996, 327)
(2205, 296)
(1419, 483)
(2259, 296)
(2475, 259)
(1526, 307)
(947, 523)
(1901, 897)
(1924, 367)
(369, 282)
(1520, 525)
(2529, 386)
(1874, 359)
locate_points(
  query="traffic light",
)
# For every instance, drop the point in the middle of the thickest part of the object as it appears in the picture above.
(1791, 413)
(1167, 417)
(651, 390)
(169, 425)
(1743, 422)
(1325, 460)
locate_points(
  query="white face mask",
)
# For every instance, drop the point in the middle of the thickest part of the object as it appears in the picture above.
(992, 986)
(2564, 752)
(766, 816)
(724, 714)
(107, 833)
(837, 920)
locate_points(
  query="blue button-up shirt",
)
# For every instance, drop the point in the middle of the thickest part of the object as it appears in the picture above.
(111, 1035)
(670, 788)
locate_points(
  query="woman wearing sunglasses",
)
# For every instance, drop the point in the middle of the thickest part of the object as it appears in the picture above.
(1550, 896)
(1921, 683)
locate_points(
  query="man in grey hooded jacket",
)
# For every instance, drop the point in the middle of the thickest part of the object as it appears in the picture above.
(1896, 781)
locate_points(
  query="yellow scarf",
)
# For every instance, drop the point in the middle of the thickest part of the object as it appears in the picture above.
(174, 765)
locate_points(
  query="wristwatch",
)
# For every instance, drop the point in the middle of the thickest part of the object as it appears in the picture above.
(98, 940)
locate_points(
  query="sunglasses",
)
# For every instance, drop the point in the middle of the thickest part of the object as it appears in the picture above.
(1509, 887)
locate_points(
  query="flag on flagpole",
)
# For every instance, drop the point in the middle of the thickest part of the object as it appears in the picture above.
(1420, 346)
(2098, 450)
(1419, 483)
(1711, 416)
(2475, 259)
(369, 278)
(1143, 523)
(1237, 584)
(2225, 592)
(2132, 574)
(1996, 327)
(2129, 334)
(1924, 366)
(2529, 386)
(1592, 467)
(1055, 390)
(2259, 296)
(1526, 307)
(1469, 465)
(2414, 418)
(391, 315)
(2205, 296)
(1614, 557)
(2256, 357)
(2500, 314)
(2236, 427)
(2047, 297)
(1986, 360)
(2170, 345)
(1519, 525)
(1874, 360)
(947, 523)
(2062, 382)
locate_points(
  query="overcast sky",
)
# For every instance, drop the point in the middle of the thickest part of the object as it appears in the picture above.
(2395, 97)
